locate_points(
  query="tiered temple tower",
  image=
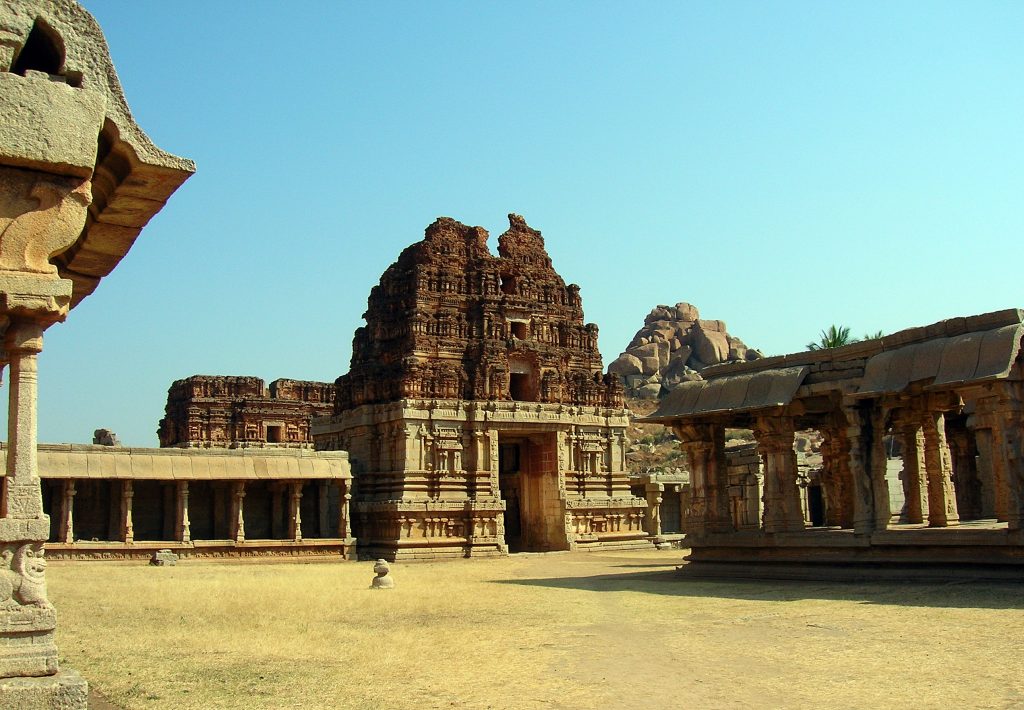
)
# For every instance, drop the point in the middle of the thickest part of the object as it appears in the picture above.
(475, 410)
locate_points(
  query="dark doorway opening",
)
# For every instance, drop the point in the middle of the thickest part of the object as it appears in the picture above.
(816, 506)
(509, 456)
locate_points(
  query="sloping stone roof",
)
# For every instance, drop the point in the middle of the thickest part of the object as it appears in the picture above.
(950, 353)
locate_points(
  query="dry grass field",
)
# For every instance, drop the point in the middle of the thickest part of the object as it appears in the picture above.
(531, 631)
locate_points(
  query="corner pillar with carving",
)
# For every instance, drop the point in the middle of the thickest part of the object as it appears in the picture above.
(783, 511)
(942, 511)
(704, 446)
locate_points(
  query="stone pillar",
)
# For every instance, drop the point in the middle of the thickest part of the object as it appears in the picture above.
(238, 511)
(183, 532)
(859, 462)
(939, 470)
(127, 527)
(704, 445)
(344, 499)
(654, 493)
(877, 463)
(67, 523)
(915, 489)
(1004, 410)
(27, 619)
(294, 514)
(783, 511)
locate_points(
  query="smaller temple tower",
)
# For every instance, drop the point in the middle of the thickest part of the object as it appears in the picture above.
(475, 410)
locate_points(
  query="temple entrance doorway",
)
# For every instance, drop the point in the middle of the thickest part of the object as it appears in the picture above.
(528, 481)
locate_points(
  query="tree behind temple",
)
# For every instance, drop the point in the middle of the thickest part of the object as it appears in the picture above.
(834, 337)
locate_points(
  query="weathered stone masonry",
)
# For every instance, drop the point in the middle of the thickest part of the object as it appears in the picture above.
(475, 410)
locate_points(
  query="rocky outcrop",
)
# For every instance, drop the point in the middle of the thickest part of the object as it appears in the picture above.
(674, 345)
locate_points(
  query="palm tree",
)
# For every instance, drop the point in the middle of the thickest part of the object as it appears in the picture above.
(874, 336)
(834, 337)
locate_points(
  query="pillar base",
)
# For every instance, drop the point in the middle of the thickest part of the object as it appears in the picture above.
(67, 690)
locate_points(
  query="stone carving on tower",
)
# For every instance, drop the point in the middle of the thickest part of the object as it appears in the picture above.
(475, 409)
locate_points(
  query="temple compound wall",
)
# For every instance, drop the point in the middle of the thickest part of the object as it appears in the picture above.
(475, 410)
(236, 412)
(109, 502)
(946, 399)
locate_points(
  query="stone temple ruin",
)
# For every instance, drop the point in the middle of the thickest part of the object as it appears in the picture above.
(475, 410)
(208, 411)
(949, 393)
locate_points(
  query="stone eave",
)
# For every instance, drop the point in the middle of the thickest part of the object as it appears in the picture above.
(132, 178)
(174, 464)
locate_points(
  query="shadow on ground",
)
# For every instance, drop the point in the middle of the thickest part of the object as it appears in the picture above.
(960, 593)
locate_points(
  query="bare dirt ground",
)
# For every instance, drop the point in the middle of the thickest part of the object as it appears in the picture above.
(560, 630)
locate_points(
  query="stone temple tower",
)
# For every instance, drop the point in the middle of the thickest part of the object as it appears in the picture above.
(475, 412)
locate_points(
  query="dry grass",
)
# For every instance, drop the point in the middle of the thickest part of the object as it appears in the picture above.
(559, 630)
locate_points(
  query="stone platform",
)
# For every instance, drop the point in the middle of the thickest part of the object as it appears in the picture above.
(67, 690)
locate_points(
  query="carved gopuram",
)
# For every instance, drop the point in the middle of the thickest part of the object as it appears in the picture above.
(78, 181)
(108, 502)
(206, 411)
(952, 393)
(475, 411)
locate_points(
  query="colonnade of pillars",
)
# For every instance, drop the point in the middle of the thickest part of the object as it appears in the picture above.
(285, 494)
(988, 446)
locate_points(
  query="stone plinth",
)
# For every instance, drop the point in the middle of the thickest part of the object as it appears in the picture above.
(65, 690)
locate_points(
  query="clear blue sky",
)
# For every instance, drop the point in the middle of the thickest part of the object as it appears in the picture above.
(782, 166)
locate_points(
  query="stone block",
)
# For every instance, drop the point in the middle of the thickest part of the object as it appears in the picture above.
(66, 690)
(163, 558)
(48, 125)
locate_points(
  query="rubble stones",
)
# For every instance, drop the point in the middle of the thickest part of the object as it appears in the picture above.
(163, 558)
(105, 437)
(674, 345)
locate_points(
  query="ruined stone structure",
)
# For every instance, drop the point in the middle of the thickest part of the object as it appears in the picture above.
(950, 392)
(475, 410)
(109, 502)
(230, 412)
(78, 181)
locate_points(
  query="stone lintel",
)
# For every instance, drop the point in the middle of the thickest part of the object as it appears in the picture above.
(49, 126)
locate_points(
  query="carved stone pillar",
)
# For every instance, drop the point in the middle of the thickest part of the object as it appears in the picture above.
(655, 494)
(344, 500)
(704, 445)
(238, 511)
(183, 531)
(27, 619)
(294, 512)
(878, 464)
(915, 489)
(857, 433)
(782, 508)
(67, 523)
(127, 526)
(939, 469)
(1005, 411)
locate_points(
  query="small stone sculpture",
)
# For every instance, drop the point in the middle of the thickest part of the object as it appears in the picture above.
(23, 576)
(383, 580)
